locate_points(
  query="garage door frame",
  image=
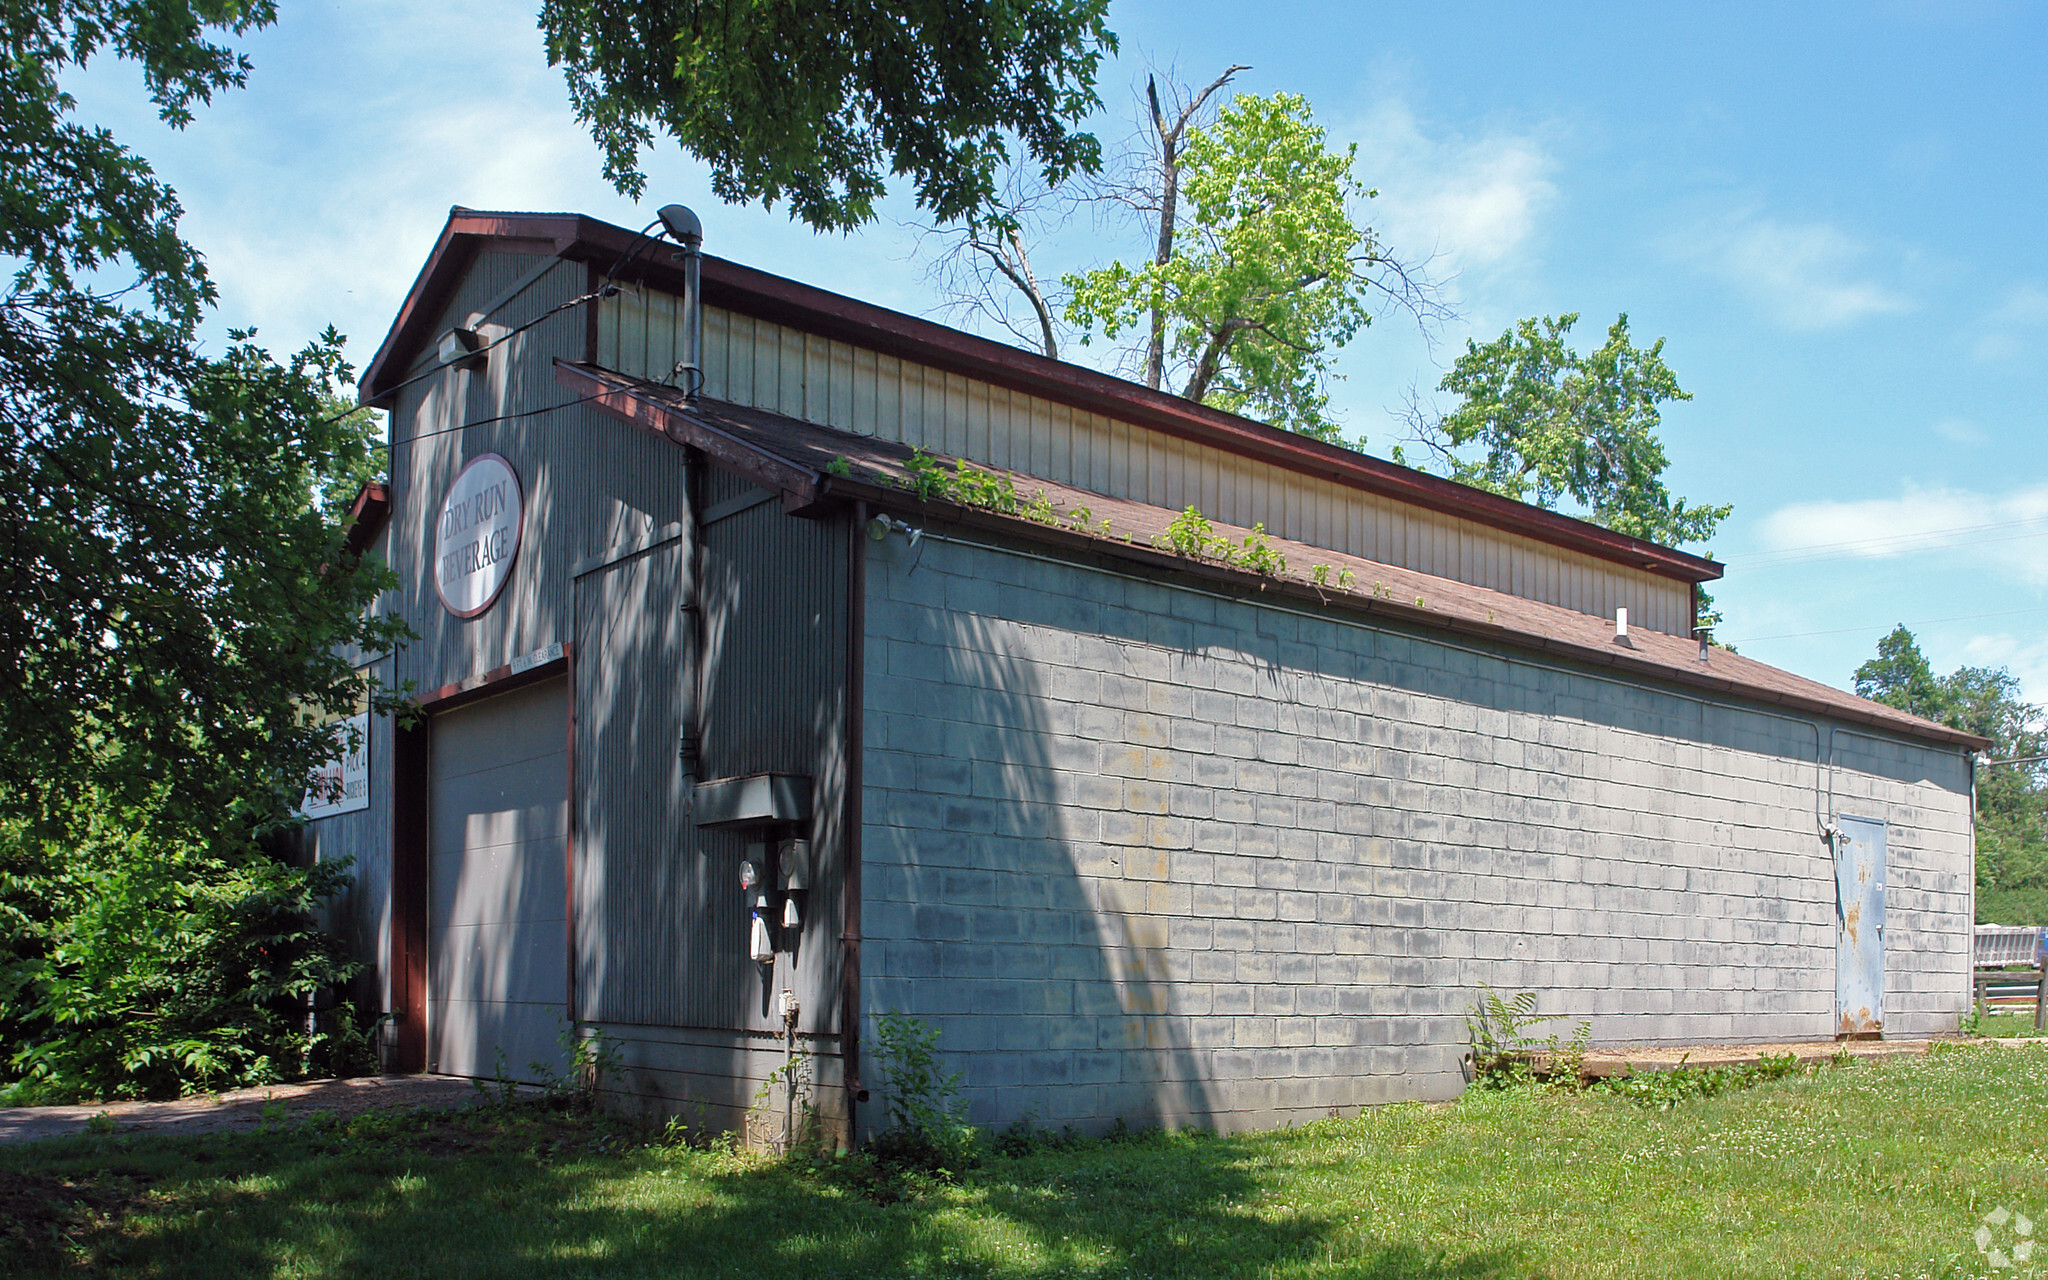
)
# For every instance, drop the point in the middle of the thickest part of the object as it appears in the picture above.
(412, 771)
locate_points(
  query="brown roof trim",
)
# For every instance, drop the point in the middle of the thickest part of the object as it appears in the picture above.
(769, 470)
(1394, 610)
(757, 293)
(462, 237)
(367, 516)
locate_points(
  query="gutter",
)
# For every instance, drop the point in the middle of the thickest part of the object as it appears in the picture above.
(1251, 585)
(799, 485)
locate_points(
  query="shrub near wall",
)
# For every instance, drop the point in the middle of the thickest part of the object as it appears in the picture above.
(138, 964)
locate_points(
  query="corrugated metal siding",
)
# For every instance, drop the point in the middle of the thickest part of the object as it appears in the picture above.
(588, 483)
(805, 376)
(774, 598)
(662, 922)
(724, 486)
(660, 925)
(773, 690)
(633, 856)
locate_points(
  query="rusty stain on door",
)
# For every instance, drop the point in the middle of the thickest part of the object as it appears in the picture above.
(1859, 927)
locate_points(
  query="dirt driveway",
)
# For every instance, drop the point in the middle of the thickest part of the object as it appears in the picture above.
(243, 1108)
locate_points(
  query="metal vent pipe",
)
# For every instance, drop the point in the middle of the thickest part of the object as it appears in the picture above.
(688, 233)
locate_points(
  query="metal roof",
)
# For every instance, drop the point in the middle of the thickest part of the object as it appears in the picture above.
(799, 460)
(741, 289)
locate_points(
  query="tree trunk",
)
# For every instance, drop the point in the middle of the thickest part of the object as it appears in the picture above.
(1169, 205)
(1211, 362)
(1169, 201)
(1029, 284)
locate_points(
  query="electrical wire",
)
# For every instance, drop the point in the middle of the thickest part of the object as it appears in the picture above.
(1925, 540)
(606, 289)
(603, 291)
(1880, 626)
(508, 417)
(632, 248)
(637, 384)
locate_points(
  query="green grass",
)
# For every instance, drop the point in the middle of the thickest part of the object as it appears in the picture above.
(1878, 1169)
(2008, 1025)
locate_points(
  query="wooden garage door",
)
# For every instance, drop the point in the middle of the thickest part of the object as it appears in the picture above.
(497, 975)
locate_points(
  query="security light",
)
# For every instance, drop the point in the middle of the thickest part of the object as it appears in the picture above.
(682, 225)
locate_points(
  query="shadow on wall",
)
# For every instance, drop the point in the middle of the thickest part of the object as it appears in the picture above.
(1168, 855)
(662, 923)
(1011, 900)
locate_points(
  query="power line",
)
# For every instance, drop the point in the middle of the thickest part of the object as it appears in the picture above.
(509, 417)
(1881, 626)
(606, 289)
(1924, 540)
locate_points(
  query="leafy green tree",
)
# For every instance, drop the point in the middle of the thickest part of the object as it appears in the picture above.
(1900, 676)
(139, 962)
(170, 594)
(817, 101)
(176, 596)
(1259, 271)
(2012, 799)
(1541, 423)
(1151, 187)
(985, 266)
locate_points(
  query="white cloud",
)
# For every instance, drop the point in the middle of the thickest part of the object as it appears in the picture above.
(2026, 659)
(1807, 276)
(1473, 202)
(315, 197)
(2014, 327)
(2006, 533)
(1961, 431)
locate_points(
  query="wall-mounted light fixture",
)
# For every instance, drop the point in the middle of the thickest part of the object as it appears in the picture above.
(881, 527)
(462, 348)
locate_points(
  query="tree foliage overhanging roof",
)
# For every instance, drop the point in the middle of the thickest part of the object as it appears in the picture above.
(172, 588)
(816, 103)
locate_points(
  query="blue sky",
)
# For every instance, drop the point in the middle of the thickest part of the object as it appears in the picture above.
(1833, 216)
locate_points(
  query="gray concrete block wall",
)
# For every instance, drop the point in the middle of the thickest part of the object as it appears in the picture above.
(1140, 852)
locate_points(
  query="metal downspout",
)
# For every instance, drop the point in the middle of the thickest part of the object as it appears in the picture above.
(850, 892)
(1971, 757)
(688, 681)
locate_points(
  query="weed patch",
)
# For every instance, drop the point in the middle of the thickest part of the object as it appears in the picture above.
(1663, 1090)
(1505, 1055)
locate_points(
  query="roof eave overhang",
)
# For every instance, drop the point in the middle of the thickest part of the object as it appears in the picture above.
(367, 516)
(1247, 582)
(805, 491)
(462, 237)
(733, 287)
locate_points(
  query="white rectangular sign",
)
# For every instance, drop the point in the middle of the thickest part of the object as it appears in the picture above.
(342, 785)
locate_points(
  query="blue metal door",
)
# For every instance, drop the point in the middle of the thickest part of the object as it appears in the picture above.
(1859, 927)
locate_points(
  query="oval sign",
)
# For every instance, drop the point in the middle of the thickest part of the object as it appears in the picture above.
(477, 536)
